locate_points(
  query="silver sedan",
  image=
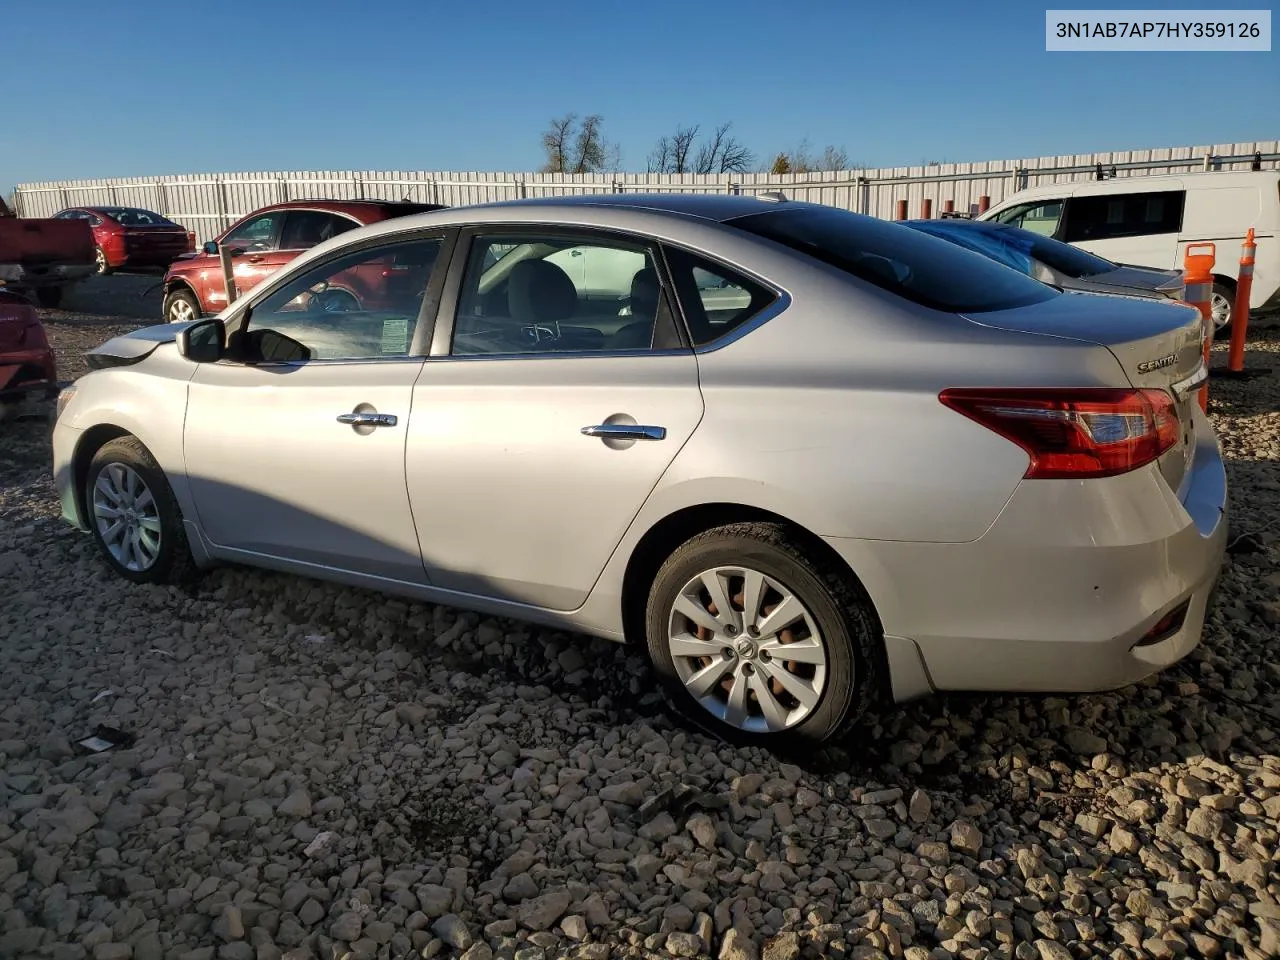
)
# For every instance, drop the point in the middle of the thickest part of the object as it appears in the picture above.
(809, 459)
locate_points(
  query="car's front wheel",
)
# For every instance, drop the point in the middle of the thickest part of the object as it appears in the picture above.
(180, 306)
(134, 516)
(767, 643)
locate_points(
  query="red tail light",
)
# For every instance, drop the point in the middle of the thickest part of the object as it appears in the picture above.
(1075, 433)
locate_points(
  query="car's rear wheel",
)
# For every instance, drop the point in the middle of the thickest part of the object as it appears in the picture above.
(180, 306)
(133, 515)
(1221, 305)
(754, 636)
(100, 262)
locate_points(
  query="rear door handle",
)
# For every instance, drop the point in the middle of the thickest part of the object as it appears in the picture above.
(368, 419)
(625, 431)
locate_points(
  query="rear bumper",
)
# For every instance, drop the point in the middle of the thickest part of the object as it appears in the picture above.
(28, 374)
(1057, 595)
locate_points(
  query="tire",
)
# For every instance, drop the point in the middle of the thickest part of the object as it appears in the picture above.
(1223, 292)
(181, 305)
(100, 259)
(848, 640)
(50, 297)
(160, 553)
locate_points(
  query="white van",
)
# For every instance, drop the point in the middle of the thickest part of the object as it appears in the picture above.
(1148, 221)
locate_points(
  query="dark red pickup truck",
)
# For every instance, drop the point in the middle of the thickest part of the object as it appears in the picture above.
(44, 256)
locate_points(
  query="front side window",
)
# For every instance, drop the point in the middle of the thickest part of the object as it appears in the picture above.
(555, 294)
(306, 228)
(905, 262)
(1041, 217)
(362, 305)
(257, 234)
(1108, 216)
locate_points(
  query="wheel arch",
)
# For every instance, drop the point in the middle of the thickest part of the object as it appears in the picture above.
(184, 285)
(90, 442)
(663, 536)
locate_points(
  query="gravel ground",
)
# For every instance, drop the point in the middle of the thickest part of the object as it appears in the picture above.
(324, 772)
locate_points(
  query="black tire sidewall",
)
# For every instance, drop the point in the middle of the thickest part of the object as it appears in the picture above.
(173, 542)
(846, 665)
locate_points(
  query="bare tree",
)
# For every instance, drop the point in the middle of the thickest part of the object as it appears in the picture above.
(801, 159)
(681, 153)
(723, 153)
(573, 147)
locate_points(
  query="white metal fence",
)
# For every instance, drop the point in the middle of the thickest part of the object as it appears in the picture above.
(208, 203)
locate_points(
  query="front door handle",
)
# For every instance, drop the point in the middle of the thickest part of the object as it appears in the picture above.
(625, 431)
(368, 419)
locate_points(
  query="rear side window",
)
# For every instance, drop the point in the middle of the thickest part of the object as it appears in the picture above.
(1108, 216)
(714, 298)
(896, 258)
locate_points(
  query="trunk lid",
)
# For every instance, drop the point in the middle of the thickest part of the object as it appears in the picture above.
(1159, 345)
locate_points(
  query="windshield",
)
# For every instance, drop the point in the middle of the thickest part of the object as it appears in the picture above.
(136, 217)
(906, 262)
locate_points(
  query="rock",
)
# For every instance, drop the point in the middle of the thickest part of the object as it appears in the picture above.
(703, 830)
(785, 946)
(966, 838)
(681, 944)
(1084, 743)
(434, 899)
(574, 927)
(452, 930)
(112, 951)
(1205, 823)
(736, 945)
(478, 951)
(919, 806)
(346, 927)
(1052, 950)
(296, 804)
(542, 912)
(229, 925)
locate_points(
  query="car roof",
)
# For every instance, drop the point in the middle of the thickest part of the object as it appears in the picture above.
(717, 207)
(1142, 182)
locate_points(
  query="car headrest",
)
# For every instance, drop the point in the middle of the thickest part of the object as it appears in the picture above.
(644, 292)
(540, 292)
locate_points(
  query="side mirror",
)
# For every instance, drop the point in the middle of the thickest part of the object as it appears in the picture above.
(210, 248)
(204, 341)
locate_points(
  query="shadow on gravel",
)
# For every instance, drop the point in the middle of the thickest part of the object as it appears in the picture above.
(132, 296)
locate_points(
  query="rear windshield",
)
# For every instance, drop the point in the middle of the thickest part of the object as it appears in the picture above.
(1015, 246)
(905, 262)
(137, 217)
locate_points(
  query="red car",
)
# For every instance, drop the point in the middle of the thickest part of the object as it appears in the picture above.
(132, 237)
(261, 243)
(27, 366)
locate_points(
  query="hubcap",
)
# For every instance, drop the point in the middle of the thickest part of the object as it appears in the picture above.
(127, 517)
(1221, 310)
(747, 649)
(101, 259)
(180, 311)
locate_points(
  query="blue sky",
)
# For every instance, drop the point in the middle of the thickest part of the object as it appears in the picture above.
(148, 87)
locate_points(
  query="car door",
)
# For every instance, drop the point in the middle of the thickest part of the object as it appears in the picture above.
(255, 256)
(1137, 227)
(295, 446)
(540, 423)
